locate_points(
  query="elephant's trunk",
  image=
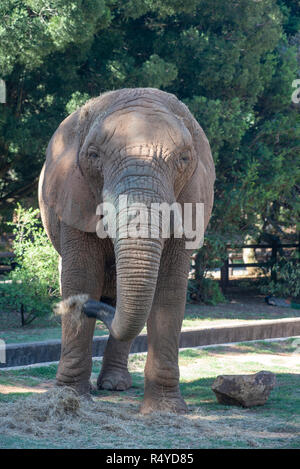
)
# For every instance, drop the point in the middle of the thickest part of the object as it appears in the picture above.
(137, 262)
(137, 265)
(137, 258)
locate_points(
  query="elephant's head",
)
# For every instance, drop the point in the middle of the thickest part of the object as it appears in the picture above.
(142, 143)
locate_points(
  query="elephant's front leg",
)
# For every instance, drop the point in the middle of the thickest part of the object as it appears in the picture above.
(114, 373)
(81, 273)
(164, 325)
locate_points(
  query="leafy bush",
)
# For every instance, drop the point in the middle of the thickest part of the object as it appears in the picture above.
(201, 288)
(205, 291)
(34, 282)
(288, 281)
(211, 256)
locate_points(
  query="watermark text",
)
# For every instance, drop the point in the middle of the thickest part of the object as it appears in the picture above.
(159, 220)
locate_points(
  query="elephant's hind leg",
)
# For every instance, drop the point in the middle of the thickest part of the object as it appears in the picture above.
(81, 273)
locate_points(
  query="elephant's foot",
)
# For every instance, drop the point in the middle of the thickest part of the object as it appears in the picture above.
(114, 379)
(82, 388)
(174, 405)
(158, 398)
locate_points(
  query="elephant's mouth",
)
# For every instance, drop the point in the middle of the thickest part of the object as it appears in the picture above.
(99, 310)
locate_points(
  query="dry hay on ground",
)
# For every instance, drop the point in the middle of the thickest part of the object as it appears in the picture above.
(61, 418)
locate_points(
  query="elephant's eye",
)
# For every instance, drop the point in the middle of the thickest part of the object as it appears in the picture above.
(92, 153)
(183, 160)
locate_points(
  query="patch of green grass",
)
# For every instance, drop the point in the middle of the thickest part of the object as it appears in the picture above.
(286, 346)
(198, 392)
(138, 383)
(25, 381)
(14, 396)
(238, 311)
(223, 443)
(11, 442)
(276, 347)
(27, 377)
(285, 398)
(25, 334)
(193, 353)
(42, 372)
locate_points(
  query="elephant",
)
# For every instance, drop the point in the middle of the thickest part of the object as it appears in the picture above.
(143, 143)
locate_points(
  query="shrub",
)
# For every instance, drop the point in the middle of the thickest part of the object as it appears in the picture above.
(201, 288)
(33, 286)
(205, 291)
(288, 281)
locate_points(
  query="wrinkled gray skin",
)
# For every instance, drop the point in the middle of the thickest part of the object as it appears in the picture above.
(146, 144)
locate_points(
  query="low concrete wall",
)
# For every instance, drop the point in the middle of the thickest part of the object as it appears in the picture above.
(48, 351)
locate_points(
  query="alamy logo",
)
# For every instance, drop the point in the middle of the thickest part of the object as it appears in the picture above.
(2, 351)
(296, 93)
(2, 91)
(159, 220)
(296, 346)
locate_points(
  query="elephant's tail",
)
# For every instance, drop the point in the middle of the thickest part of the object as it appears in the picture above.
(99, 310)
(78, 305)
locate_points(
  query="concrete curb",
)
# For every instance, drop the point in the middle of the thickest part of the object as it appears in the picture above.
(49, 351)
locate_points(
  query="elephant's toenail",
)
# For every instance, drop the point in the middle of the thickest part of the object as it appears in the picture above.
(106, 385)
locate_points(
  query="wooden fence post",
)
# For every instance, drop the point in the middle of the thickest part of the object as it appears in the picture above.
(225, 275)
(274, 259)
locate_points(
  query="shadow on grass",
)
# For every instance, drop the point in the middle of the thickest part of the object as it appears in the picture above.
(238, 311)
(283, 347)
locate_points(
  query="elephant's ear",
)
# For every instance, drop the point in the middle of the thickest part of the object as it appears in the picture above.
(200, 187)
(63, 186)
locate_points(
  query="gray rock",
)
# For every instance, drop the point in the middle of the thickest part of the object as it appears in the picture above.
(244, 390)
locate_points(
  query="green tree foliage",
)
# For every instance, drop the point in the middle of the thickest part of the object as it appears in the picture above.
(288, 281)
(34, 283)
(232, 63)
